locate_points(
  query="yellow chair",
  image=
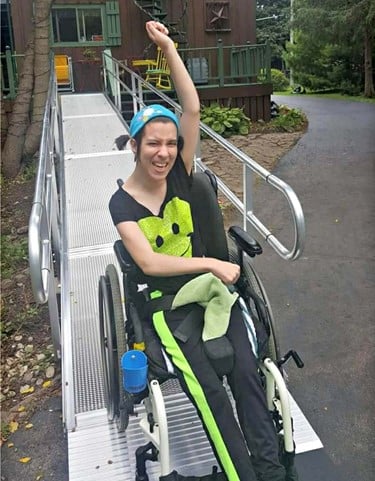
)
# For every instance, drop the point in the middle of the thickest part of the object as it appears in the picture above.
(157, 71)
(64, 73)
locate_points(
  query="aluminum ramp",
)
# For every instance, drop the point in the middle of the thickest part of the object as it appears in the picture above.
(96, 450)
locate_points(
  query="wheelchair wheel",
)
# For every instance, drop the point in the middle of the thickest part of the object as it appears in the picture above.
(108, 351)
(118, 316)
(256, 284)
(118, 321)
(112, 336)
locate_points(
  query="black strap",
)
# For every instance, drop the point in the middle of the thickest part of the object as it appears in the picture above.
(163, 303)
(188, 325)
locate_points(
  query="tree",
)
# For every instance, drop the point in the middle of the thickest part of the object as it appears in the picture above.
(23, 136)
(19, 118)
(41, 76)
(273, 25)
(333, 44)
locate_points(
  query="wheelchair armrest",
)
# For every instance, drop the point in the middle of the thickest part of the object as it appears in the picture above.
(123, 257)
(244, 241)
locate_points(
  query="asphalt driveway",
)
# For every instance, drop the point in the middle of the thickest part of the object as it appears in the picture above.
(324, 302)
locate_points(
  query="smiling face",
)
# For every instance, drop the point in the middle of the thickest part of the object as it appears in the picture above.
(156, 149)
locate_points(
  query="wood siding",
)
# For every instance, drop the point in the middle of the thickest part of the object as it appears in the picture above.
(134, 39)
(21, 14)
(135, 44)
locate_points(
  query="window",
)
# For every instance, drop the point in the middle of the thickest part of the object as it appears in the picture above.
(77, 25)
(86, 24)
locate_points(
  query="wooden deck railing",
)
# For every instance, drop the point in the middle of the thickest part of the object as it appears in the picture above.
(218, 66)
(10, 66)
(222, 65)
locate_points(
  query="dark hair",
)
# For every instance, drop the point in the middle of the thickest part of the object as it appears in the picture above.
(121, 141)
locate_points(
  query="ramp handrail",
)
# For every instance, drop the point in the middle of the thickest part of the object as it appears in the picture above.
(245, 206)
(44, 222)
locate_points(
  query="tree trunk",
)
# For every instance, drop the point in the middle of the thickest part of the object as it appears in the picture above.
(41, 76)
(19, 119)
(369, 81)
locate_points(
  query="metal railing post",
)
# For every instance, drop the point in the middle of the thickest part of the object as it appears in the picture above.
(54, 315)
(117, 94)
(247, 195)
(104, 72)
(134, 89)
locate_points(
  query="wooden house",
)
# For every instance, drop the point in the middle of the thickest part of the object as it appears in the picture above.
(217, 40)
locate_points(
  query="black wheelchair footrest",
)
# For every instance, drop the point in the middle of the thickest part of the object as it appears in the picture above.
(214, 476)
(291, 354)
(142, 455)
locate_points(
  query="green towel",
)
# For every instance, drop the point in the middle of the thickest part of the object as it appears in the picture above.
(211, 293)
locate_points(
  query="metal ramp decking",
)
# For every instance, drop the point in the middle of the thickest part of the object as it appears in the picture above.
(92, 164)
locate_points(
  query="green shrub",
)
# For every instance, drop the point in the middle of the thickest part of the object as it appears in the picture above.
(349, 88)
(226, 121)
(279, 80)
(289, 119)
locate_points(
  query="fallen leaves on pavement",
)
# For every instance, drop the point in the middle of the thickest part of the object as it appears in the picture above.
(25, 460)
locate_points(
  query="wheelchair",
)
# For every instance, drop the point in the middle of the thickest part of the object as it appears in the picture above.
(122, 328)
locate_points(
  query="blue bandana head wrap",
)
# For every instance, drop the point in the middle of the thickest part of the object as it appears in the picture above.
(148, 113)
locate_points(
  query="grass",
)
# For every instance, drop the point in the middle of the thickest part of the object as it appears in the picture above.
(28, 172)
(330, 95)
(5, 430)
(13, 254)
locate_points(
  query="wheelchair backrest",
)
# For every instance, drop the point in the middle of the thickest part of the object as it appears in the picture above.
(207, 217)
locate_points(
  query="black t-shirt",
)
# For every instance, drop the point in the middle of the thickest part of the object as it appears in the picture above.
(172, 231)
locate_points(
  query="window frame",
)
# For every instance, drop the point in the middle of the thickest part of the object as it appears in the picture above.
(87, 43)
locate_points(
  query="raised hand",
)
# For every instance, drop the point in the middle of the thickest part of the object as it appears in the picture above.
(158, 33)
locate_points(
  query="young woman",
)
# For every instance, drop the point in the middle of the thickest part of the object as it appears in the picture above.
(153, 216)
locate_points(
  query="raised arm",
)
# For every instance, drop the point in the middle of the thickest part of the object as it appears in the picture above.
(186, 91)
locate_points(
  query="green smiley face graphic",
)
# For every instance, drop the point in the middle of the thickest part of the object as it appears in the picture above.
(170, 234)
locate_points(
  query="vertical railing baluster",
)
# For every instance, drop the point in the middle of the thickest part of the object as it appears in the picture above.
(11, 73)
(220, 62)
(267, 61)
